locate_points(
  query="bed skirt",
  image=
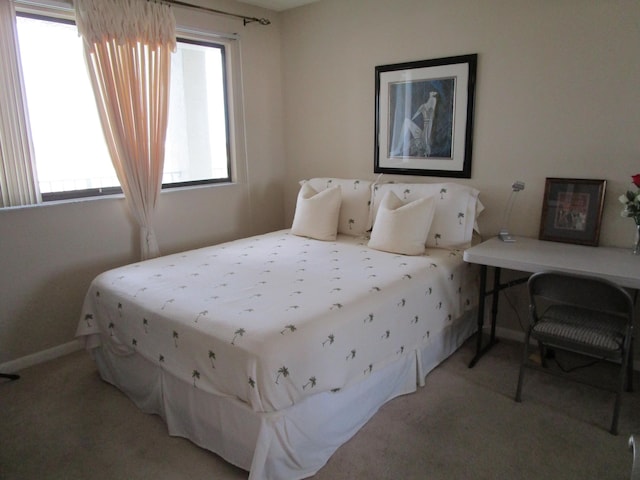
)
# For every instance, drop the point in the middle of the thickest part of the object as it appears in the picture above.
(285, 445)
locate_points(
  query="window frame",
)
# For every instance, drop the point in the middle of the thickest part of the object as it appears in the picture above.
(182, 36)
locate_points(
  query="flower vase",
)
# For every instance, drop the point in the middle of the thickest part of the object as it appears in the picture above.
(636, 245)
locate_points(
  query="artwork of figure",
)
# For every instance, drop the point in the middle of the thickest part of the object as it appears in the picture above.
(421, 114)
(422, 136)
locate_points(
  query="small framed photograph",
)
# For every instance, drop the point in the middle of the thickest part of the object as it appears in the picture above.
(424, 117)
(572, 210)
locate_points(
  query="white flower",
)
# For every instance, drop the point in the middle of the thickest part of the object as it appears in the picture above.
(631, 202)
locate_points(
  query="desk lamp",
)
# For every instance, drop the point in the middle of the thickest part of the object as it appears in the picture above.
(504, 234)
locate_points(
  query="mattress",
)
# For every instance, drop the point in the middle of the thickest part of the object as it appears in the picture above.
(273, 319)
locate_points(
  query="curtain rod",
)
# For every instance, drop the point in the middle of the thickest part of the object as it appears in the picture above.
(50, 5)
(245, 19)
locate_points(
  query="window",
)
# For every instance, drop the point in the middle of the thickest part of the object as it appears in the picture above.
(70, 152)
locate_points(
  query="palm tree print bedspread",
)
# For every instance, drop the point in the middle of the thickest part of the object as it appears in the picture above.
(274, 318)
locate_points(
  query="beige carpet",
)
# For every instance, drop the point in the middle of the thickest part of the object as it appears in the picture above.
(60, 421)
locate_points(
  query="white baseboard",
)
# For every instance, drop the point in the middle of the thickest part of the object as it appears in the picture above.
(40, 357)
(518, 336)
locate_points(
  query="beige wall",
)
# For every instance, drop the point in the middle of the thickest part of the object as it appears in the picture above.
(50, 253)
(557, 95)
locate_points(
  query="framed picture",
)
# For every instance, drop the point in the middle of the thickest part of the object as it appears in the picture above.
(424, 117)
(572, 210)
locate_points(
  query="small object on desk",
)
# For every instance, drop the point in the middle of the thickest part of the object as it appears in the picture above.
(504, 234)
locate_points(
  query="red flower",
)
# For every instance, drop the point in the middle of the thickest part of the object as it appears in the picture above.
(636, 179)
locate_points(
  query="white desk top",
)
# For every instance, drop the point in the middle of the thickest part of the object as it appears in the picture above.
(531, 255)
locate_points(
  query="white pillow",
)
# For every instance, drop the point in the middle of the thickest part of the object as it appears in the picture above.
(457, 208)
(354, 217)
(402, 228)
(317, 213)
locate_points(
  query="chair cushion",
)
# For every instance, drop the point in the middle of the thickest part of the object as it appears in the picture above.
(577, 325)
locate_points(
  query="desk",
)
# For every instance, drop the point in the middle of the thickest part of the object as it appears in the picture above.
(530, 255)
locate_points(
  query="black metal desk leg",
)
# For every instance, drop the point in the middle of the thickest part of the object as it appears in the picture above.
(480, 350)
(494, 302)
(481, 297)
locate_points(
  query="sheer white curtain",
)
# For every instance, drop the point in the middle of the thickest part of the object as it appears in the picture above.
(18, 183)
(128, 45)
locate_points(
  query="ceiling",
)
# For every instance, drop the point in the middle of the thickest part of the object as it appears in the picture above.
(278, 5)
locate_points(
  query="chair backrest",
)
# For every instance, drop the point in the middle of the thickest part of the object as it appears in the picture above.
(593, 293)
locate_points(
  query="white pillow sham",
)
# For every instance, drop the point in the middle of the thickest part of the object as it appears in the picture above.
(402, 227)
(317, 213)
(456, 209)
(354, 217)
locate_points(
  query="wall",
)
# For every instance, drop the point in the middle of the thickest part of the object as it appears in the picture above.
(557, 95)
(50, 253)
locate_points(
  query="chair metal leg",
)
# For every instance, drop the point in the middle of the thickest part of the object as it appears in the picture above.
(616, 413)
(525, 355)
(635, 470)
(616, 407)
(623, 376)
(630, 368)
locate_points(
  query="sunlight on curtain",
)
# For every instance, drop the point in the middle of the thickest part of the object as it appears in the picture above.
(128, 45)
(17, 171)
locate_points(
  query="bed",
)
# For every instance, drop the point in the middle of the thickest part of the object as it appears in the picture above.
(272, 351)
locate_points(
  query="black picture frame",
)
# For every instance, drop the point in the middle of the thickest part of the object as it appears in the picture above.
(572, 210)
(424, 117)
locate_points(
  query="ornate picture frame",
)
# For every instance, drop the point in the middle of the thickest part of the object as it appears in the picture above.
(572, 210)
(424, 117)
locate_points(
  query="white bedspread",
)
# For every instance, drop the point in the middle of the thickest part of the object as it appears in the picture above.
(274, 318)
